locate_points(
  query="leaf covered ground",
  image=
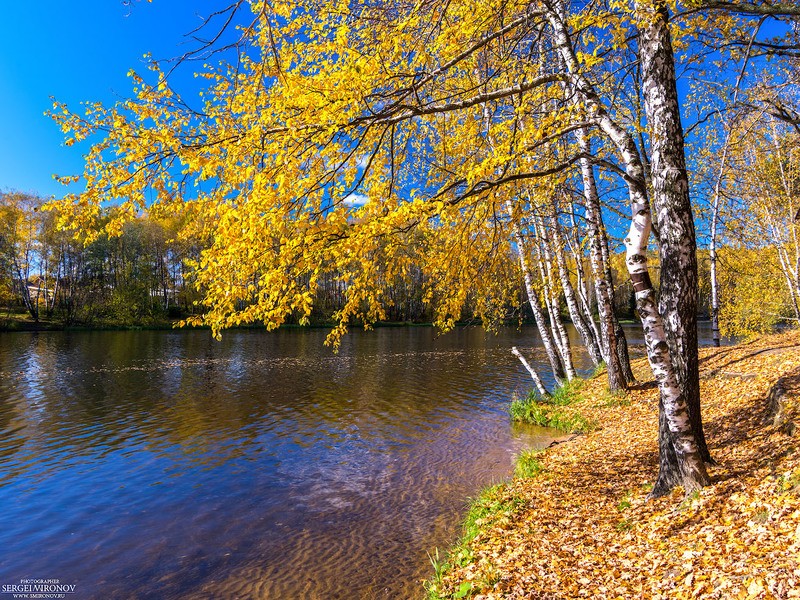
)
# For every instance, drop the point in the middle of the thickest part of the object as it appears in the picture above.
(581, 526)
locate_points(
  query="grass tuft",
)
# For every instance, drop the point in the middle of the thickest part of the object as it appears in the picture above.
(598, 370)
(493, 506)
(529, 464)
(553, 411)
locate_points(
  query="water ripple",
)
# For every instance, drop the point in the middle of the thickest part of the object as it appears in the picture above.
(167, 465)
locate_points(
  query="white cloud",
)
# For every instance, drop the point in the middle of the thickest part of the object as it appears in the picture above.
(356, 200)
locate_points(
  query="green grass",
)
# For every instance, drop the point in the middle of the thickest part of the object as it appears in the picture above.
(568, 393)
(598, 370)
(788, 482)
(625, 502)
(498, 503)
(624, 525)
(550, 411)
(529, 464)
(493, 505)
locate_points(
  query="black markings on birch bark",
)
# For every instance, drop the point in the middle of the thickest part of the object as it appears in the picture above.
(600, 273)
(689, 463)
(619, 333)
(583, 295)
(551, 298)
(605, 298)
(677, 246)
(578, 320)
(533, 300)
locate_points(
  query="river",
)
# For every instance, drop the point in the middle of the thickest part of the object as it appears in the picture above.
(151, 464)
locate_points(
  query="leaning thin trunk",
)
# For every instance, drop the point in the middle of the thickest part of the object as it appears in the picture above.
(533, 300)
(781, 243)
(605, 300)
(583, 292)
(790, 275)
(551, 300)
(545, 333)
(534, 375)
(569, 292)
(622, 342)
(712, 244)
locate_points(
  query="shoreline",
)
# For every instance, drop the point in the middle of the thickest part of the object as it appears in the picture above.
(16, 325)
(581, 524)
(17, 322)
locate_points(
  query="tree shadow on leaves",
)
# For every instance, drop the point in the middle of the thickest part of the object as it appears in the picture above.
(723, 353)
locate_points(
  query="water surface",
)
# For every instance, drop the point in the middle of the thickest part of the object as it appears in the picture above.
(167, 465)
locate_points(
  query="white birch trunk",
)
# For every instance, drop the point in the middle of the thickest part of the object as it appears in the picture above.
(589, 341)
(533, 300)
(551, 301)
(583, 292)
(692, 468)
(674, 405)
(619, 334)
(534, 375)
(715, 202)
(679, 293)
(791, 272)
(605, 299)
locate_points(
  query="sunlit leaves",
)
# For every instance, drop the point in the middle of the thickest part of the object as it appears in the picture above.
(325, 102)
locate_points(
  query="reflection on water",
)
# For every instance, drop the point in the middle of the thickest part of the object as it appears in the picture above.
(635, 335)
(168, 465)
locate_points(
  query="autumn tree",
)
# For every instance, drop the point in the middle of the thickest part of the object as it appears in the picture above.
(441, 117)
(764, 243)
(25, 255)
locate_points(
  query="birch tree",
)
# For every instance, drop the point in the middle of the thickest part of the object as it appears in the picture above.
(24, 252)
(539, 315)
(323, 102)
(681, 462)
(768, 187)
(578, 318)
(677, 239)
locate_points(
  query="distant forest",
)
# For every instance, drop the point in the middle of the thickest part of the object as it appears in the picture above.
(143, 277)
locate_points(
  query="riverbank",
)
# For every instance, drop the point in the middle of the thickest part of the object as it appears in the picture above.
(580, 524)
(19, 321)
(22, 321)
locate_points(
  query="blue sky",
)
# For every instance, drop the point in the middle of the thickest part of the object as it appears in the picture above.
(74, 51)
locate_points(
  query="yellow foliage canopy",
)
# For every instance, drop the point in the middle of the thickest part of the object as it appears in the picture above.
(336, 136)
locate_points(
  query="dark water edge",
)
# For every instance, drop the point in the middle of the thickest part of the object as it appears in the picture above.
(13, 323)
